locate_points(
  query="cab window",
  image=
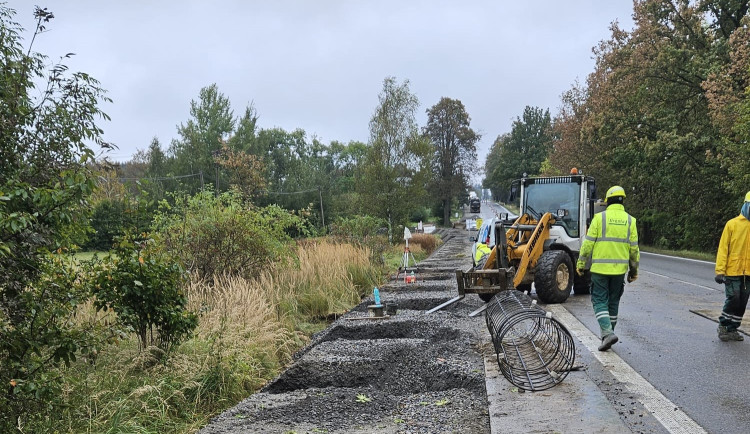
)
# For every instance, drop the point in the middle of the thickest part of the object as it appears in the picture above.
(543, 198)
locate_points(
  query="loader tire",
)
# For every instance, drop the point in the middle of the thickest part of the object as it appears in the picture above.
(553, 278)
(582, 284)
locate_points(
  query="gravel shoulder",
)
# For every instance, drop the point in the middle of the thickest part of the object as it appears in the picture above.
(409, 373)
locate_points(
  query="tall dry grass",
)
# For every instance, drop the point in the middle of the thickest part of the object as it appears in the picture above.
(248, 330)
(331, 278)
(426, 242)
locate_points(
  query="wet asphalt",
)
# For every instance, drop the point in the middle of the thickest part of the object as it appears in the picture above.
(671, 346)
(676, 350)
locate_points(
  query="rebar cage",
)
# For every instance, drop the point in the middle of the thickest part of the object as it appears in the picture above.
(534, 351)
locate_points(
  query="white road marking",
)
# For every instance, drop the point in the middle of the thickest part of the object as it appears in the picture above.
(665, 411)
(679, 280)
(677, 257)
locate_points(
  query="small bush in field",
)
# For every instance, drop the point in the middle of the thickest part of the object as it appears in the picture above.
(222, 236)
(143, 286)
(420, 214)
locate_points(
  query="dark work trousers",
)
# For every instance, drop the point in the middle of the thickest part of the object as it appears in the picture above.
(736, 291)
(606, 291)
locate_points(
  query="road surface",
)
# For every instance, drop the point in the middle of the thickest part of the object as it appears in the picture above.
(667, 330)
(677, 350)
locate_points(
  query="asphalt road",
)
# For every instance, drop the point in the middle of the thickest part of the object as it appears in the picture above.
(676, 350)
(488, 210)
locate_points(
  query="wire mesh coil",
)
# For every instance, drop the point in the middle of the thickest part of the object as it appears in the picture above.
(534, 351)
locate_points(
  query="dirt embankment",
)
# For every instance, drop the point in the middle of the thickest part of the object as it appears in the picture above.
(409, 373)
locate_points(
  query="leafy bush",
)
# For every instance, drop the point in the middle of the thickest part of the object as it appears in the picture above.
(143, 286)
(221, 236)
(108, 222)
(37, 335)
(357, 228)
(421, 214)
(48, 117)
(113, 218)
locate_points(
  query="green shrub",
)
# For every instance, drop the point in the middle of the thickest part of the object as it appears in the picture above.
(108, 222)
(143, 286)
(421, 214)
(221, 236)
(36, 337)
(112, 218)
(357, 227)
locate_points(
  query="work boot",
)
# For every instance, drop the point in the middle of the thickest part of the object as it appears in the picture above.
(723, 333)
(734, 335)
(608, 341)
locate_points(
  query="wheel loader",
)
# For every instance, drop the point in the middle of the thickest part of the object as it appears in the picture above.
(542, 245)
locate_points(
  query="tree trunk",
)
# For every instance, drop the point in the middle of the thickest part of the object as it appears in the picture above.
(446, 212)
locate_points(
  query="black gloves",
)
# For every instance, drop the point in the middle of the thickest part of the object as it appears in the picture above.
(632, 275)
(719, 278)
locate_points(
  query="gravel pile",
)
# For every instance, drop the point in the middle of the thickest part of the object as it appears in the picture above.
(409, 373)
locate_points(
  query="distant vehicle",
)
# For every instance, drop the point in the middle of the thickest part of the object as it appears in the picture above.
(475, 205)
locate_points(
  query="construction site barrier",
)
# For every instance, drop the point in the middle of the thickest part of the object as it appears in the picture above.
(534, 351)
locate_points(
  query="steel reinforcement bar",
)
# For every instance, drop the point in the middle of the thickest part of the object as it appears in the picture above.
(534, 351)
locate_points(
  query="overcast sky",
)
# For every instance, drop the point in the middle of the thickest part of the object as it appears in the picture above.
(319, 65)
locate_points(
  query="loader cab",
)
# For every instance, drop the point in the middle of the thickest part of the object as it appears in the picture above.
(569, 198)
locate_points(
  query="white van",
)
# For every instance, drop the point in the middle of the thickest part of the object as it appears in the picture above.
(486, 235)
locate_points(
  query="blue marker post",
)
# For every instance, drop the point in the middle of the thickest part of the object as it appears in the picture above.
(376, 310)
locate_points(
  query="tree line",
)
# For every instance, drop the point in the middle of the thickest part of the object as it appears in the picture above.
(664, 114)
(402, 173)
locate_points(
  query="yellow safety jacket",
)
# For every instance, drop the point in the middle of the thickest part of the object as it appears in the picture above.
(733, 256)
(482, 249)
(611, 244)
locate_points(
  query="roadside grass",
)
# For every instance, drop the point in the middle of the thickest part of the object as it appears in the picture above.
(247, 333)
(690, 254)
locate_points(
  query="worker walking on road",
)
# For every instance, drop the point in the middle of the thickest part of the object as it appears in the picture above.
(610, 250)
(733, 270)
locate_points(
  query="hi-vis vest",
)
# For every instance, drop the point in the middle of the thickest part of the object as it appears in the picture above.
(611, 244)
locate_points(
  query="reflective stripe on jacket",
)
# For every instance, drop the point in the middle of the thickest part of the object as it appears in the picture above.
(611, 244)
(733, 256)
